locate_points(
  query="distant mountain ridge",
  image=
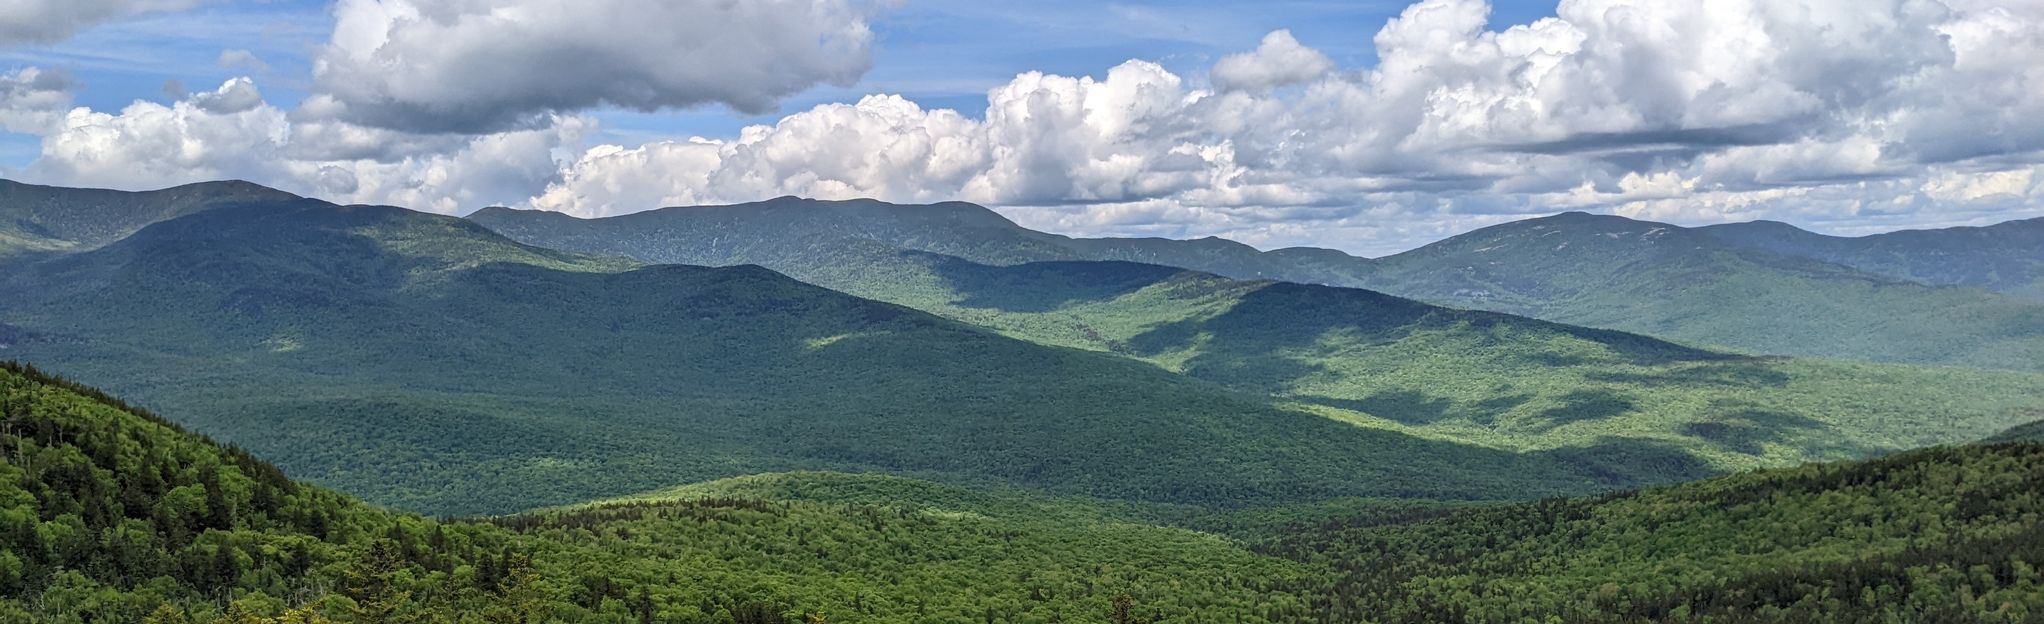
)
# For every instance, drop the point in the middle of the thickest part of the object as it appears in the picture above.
(2007, 257)
(1757, 287)
(776, 227)
(1576, 268)
(48, 218)
(1686, 284)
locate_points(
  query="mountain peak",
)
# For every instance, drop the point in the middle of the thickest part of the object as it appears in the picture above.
(1578, 216)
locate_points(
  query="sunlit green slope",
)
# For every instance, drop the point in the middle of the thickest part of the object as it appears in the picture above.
(1942, 535)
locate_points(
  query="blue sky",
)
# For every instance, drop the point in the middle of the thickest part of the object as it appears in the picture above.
(941, 53)
(1368, 126)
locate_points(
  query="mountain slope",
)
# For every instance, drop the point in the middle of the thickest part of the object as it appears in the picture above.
(114, 515)
(342, 341)
(1684, 284)
(1474, 377)
(2007, 258)
(47, 218)
(1941, 535)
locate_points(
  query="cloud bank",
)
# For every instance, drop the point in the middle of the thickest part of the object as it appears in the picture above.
(486, 65)
(1878, 113)
(25, 22)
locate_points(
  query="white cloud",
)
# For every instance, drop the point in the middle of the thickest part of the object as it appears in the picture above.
(1279, 61)
(243, 59)
(150, 145)
(237, 95)
(24, 22)
(477, 66)
(32, 100)
(1895, 112)
(1728, 107)
(231, 132)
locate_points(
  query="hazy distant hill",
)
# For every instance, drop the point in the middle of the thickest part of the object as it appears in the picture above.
(2006, 258)
(1686, 284)
(1608, 272)
(346, 341)
(763, 231)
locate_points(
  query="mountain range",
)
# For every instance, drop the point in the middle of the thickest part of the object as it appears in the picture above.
(2001, 258)
(339, 339)
(864, 412)
(345, 340)
(1696, 285)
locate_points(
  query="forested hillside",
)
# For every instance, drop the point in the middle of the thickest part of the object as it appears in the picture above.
(1942, 535)
(114, 515)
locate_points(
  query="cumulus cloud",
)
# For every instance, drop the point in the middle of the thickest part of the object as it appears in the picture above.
(150, 145)
(24, 22)
(1889, 112)
(1625, 105)
(237, 95)
(478, 66)
(1278, 62)
(32, 100)
(230, 132)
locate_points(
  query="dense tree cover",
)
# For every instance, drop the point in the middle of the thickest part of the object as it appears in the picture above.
(114, 515)
(1941, 535)
(1658, 410)
(425, 362)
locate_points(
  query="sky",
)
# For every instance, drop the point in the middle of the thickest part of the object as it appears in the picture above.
(1370, 127)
